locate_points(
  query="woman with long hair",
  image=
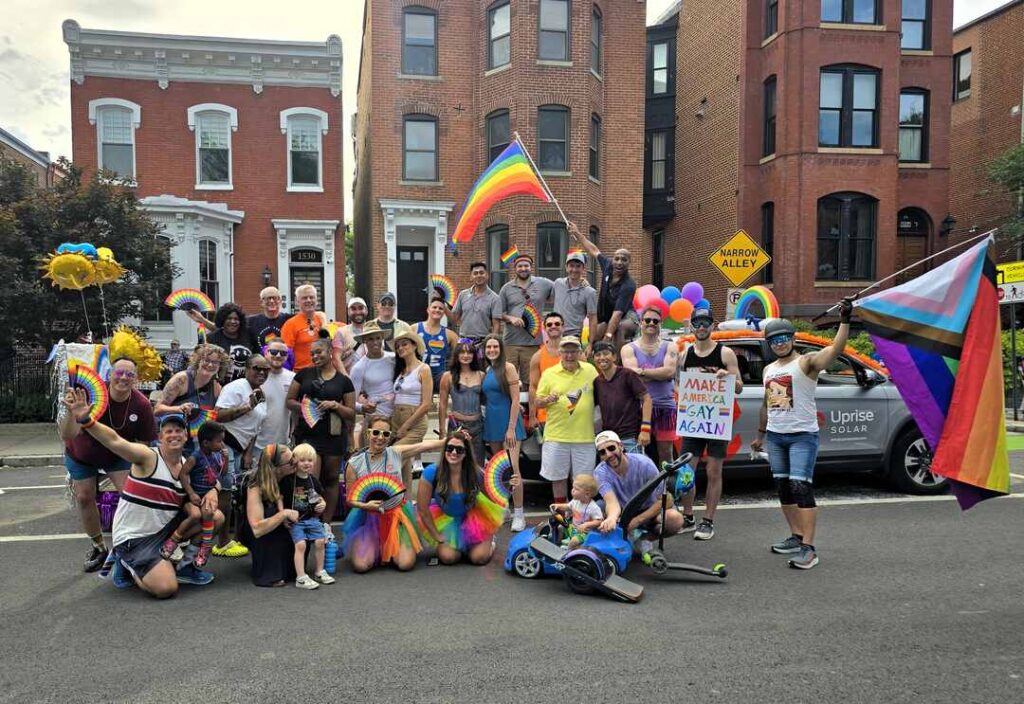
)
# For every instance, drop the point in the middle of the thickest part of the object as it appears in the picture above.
(335, 399)
(195, 388)
(414, 395)
(374, 533)
(265, 530)
(460, 399)
(503, 419)
(455, 514)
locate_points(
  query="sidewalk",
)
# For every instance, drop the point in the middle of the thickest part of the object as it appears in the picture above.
(30, 445)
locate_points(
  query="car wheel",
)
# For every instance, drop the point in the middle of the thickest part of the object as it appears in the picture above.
(527, 565)
(910, 465)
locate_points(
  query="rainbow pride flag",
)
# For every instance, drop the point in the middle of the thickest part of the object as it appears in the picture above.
(939, 335)
(508, 175)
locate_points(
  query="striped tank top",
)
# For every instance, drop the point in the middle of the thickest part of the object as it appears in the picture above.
(148, 503)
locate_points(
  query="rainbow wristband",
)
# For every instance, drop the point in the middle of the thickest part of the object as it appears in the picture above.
(645, 426)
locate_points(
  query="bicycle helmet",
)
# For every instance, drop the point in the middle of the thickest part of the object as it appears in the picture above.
(778, 326)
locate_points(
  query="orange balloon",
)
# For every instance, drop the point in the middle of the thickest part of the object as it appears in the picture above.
(680, 310)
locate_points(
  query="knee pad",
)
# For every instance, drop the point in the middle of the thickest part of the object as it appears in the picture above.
(785, 492)
(803, 493)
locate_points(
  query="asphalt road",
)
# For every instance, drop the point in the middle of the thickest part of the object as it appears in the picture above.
(913, 602)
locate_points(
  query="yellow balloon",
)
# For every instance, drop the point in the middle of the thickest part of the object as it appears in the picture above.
(104, 253)
(70, 271)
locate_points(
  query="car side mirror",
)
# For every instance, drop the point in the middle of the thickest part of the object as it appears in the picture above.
(872, 378)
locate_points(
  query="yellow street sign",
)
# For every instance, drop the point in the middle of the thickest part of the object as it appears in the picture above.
(1011, 273)
(739, 258)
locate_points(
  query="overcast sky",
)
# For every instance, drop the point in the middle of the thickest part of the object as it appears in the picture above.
(34, 83)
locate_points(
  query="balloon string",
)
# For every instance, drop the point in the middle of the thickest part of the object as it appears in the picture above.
(88, 325)
(103, 307)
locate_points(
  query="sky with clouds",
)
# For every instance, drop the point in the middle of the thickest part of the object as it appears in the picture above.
(34, 82)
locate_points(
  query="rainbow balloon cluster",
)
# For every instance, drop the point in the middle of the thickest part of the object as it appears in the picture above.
(676, 305)
(76, 266)
(497, 478)
(757, 295)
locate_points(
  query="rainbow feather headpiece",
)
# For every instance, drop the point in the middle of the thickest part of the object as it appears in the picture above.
(311, 413)
(497, 473)
(375, 486)
(190, 299)
(531, 316)
(96, 392)
(757, 294)
(444, 286)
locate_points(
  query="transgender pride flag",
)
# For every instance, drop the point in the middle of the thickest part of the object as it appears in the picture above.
(939, 335)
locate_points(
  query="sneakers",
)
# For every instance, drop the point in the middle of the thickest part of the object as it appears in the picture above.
(94, 559)
(705, 531)
(304, 582)
(325, 578)
(232, 549)
(203, 555)
(168, 548)
(120, 577)
(190, 574)
(806, 559)
(788, 546)
(689, 525)
(518, 523)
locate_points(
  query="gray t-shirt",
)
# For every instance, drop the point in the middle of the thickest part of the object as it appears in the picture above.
(514, 299)
(574, 304)
(477, 311)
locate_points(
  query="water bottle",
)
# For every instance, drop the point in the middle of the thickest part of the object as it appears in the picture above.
(331, 556)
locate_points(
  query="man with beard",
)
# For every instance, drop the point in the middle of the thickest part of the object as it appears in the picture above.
(477, 310)
(347, 348)
(524, 288)
(387, 318)
(707, 355)
(617, 289)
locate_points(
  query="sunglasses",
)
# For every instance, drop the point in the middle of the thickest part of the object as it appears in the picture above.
(553, 324)
(609, 450)
(455, 449)
(652, 321)
(702, 324)
(378, 433)
(261, 370)
(387, 303)
(780, 339)
(278, 353)
(122, 374)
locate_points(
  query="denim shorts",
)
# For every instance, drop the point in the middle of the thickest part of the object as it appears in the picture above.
(792, 455)
(80, 472)
(233, 471)
(307, 529)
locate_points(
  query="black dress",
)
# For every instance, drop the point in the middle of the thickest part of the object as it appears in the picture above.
(272, 554)
(334, 389)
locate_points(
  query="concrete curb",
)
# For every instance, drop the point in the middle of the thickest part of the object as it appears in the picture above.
(18, 461)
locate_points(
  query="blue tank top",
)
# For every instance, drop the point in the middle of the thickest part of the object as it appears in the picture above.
(437, 349)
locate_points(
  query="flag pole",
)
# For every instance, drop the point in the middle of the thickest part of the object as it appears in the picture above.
(541, 177)
(907, 268)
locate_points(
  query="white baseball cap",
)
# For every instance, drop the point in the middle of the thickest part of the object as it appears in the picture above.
(357, 301)
(605, 437)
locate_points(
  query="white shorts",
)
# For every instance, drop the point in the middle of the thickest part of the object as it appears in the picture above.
(559, 459)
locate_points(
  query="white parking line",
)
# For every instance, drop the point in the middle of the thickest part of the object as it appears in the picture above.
(41, 486)
(1017, 476)
(30, 538)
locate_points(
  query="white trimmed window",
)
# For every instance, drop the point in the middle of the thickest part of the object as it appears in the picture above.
(304, 128)
(116, 121)
(213, 124)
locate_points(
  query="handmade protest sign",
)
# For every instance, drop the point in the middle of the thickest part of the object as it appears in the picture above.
(705, 406)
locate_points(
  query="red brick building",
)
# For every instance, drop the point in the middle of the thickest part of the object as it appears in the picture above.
(442, 88)
(38, 163)
(820, 128)
(988, 90)
(234, 147)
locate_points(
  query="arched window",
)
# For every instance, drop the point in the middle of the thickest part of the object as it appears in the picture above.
(116, 121)
(155, 310)
(419, 148)
(847, 223)
(552, 240)
(304, 128)
(499, 132)
(419, 41)
(213, 124)
(208, 282)
(553, 135)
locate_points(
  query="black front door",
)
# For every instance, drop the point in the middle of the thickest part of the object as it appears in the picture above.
(412, 283)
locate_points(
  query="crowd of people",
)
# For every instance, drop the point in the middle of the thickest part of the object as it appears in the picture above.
(225, 436)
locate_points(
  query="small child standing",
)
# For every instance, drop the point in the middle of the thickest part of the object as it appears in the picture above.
(586, 514)
(199, 476)
(302, 492)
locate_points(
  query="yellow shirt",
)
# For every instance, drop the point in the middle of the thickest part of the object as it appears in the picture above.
(563, 426)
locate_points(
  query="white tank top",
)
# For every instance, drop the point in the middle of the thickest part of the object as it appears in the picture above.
(408, 388)
(790, 394)
(147, 504)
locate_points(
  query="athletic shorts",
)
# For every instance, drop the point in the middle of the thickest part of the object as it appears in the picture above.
(663, 423)
(792, 455)
(140, 555)
(80, 472)
(716, 448)
(560, 459)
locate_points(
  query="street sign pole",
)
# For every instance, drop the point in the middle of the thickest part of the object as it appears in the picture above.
(1013, 354)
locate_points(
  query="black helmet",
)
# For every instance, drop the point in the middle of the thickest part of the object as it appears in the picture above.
(778, 326)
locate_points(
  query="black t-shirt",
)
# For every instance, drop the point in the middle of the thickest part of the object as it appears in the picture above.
(261, 327)
(239, 350)
(333, 389)
(614, 296)
(300, 494)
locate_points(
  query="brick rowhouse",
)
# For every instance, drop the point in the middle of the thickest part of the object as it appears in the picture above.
(459, 66)
(820, 180)
(235, 147)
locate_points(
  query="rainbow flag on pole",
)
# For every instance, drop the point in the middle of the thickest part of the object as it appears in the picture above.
(939, 335)
(509, 174)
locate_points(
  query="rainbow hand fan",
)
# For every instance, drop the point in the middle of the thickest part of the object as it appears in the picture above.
(311, 413)
(531, 316)
(497, 476)
(190, 299)
(376, 486)
(199, 418)
(96, 391)
(444, 286)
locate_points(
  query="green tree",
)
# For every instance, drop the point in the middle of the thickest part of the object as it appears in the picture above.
(34, 221)
(1008, 172)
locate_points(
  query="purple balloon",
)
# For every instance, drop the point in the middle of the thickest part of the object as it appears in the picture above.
(693, 292)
